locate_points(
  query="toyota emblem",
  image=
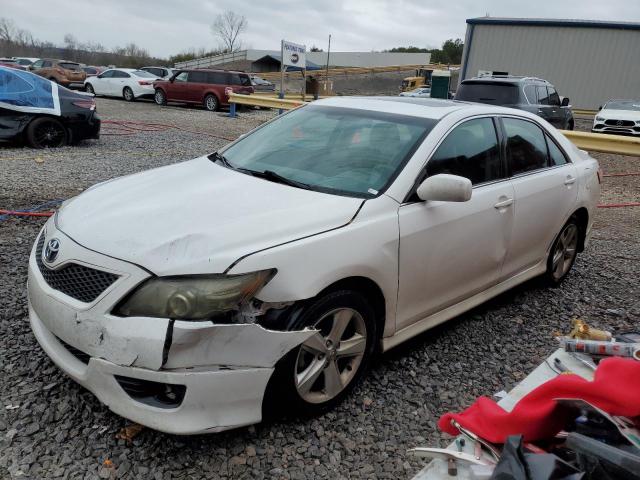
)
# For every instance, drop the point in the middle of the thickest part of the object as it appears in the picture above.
(51, 250)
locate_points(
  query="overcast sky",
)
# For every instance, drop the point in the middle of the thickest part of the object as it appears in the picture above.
(166, 27)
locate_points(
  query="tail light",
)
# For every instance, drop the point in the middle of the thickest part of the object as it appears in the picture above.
(228, 91)
(88, 104)
(145, 82)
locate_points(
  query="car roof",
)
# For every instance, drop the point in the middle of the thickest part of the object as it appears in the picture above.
(432, 108)
(210, 70)
(509, 79)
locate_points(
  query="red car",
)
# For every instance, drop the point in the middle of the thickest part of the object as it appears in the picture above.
(205, 87)
(11, 63)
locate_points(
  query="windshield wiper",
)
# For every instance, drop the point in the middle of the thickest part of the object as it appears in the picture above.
(218, 157)
(276, 177)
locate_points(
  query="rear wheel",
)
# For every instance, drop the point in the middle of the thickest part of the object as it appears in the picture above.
(45, 132)
(128, 95)
(320, 372)
(89, 88)
(563, 253)
(211, 103)
(160, 97)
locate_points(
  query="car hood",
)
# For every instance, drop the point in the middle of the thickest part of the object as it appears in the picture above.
(197, 217)
(608, 114)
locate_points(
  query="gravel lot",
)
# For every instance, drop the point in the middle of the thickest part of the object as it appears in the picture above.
(51, 427)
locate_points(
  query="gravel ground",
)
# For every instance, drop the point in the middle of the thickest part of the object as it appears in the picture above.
(51, 427)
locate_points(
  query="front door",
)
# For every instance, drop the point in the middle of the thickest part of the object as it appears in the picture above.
(176, 91)
(451, 251)
(545, 189)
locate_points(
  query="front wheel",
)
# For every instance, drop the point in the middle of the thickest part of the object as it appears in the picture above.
(128, 95)
(320, 372)
(563, 253)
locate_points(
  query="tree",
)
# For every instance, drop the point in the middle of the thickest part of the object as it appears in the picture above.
(452, 51)
(409, 49)
(227, 27)
(316, 49)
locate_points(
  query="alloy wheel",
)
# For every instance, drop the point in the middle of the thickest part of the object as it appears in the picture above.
(328, 361)
(565, 251)
(49, 134)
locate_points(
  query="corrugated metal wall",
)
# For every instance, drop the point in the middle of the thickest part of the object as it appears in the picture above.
(588, 65)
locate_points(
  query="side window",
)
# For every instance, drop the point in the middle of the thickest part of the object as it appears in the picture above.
(530, 93)
(556, 156)
(197, 77)
(235, 79)
(182, 77)
(38, 64)
(470, 150)
(217, 78)
(46, 63)
(107, 74)
(554, 98)
(245, 81)
(526, 146)
(543, 96)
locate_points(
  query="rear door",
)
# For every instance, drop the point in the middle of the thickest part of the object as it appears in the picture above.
(196, 86)
(545, 188)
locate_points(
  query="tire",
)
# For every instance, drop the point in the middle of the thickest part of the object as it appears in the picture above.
(211, 103)
(159, 97)
(570, 125)
(318, 374)
(89, 88)
(563, 253)
(46, 132)
(128, 95)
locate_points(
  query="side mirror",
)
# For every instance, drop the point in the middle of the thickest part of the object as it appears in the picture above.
(445, 188)
(600, 108)
(565, 102)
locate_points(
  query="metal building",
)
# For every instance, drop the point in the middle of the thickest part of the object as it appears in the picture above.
(588, 61)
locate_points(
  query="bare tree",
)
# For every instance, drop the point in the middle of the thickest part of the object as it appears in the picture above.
(227, 27)
(7, 29)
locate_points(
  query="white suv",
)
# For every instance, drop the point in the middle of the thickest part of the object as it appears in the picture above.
(185, 296)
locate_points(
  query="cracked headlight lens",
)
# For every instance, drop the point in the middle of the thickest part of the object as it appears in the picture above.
(194, 297)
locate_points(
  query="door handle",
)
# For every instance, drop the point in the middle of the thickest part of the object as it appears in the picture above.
(503, 203)
(570, 180)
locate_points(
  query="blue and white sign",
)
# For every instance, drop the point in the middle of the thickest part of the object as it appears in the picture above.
(293, 55)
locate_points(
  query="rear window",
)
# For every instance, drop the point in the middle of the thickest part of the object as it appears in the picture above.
(492, 93)
(243, 80)
(69, 66)
(142, 73)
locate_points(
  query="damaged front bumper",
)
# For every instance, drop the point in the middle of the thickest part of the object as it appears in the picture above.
(177, 377)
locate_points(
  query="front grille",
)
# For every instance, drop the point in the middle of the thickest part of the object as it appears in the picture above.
(77, 281)
(79, 354)
(619, 123)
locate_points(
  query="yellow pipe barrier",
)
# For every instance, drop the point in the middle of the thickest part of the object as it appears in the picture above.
(263, 101)
(580, 111)
(604, 143)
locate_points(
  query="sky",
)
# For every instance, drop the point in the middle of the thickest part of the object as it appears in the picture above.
(166, 27)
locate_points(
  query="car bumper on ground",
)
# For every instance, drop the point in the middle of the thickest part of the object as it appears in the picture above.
(179, 377)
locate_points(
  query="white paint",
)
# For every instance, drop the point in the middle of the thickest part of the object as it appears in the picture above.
(114, 87)
(432, 261)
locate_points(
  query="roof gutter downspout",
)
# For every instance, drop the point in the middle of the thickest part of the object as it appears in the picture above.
(467, 49)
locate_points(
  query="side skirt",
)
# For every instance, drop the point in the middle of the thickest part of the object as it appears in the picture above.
(461, 307)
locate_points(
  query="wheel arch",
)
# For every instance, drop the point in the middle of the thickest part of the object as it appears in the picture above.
(582, 216)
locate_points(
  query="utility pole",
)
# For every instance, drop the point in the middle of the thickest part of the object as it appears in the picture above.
(326, 77)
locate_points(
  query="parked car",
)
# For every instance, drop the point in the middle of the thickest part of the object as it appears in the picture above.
(92, 71)
(262, 85)
(424, 92)
(127, 83)
(162, 72)
(38, 112)
(11, 63)
(525, 93)
(618, 116)
(188, 297)
(67, 74)
(209, 88)
(25, 61)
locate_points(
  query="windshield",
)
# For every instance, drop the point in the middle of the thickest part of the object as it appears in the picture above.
(69, 66)
(633, 105)
(336, 150)
(493, 93)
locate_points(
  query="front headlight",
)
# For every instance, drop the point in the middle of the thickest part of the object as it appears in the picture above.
(193, 298)
(600, 119)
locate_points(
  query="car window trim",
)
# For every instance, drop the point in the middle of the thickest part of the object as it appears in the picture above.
(420, 178)
(545, 135)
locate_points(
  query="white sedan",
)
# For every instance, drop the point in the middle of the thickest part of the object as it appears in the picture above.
(618, 116)
(127, 83)
(188, 296)
(423, 92)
